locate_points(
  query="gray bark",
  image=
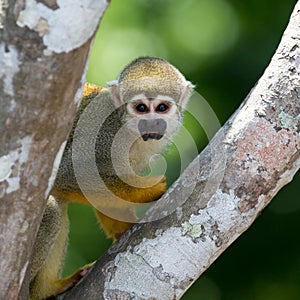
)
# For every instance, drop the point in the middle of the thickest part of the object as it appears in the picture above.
(218, 196)
(43, 59)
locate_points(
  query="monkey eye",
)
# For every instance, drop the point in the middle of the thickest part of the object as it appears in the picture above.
(162, 107)
(142, 108)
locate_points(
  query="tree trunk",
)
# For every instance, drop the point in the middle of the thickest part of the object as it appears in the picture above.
(44, 51)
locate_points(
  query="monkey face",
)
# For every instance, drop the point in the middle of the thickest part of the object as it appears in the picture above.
(154, 118)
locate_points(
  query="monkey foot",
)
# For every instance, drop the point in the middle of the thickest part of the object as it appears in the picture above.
(67, 283)
(81, 272)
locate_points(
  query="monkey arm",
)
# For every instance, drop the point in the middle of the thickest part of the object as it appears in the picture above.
(113, 228)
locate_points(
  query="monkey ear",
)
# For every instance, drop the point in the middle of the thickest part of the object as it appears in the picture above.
(115, 93)
(188, 90)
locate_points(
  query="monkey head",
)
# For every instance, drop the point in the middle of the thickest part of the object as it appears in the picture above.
(154, 94)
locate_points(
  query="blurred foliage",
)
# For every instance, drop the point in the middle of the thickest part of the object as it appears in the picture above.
(223, 47)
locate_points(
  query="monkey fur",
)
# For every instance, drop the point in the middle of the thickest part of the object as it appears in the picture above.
(147, 102)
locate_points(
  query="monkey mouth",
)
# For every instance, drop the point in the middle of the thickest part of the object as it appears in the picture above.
(151, 135)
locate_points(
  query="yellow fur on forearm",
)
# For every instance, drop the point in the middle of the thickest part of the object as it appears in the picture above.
(114, 228)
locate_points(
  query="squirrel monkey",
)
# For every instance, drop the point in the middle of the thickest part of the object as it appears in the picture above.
(142, 110)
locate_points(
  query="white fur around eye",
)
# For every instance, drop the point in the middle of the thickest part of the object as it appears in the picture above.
(132, 107)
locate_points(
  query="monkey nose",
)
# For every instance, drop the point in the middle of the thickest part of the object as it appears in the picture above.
(152, 128)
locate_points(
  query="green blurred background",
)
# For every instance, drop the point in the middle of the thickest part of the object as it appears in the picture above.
(223, 47)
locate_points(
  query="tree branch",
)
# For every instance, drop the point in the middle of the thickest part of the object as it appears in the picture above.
(43, 58)
(217, 197)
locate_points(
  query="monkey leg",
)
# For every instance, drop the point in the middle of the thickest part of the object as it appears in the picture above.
(49, 253)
